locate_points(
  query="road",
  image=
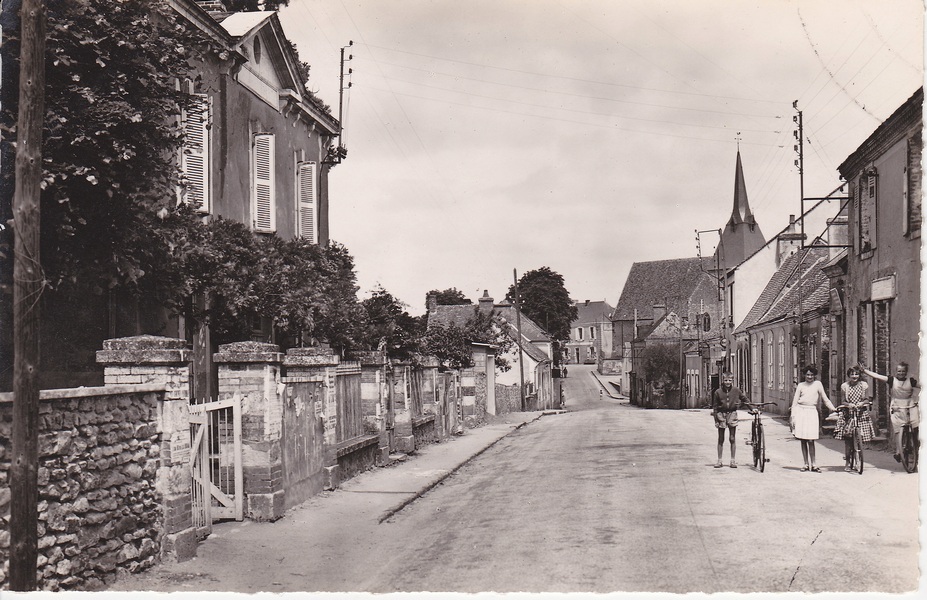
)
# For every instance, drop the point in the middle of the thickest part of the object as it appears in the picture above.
(607, 497)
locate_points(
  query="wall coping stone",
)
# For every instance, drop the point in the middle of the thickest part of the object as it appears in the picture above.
(86, 392)
(419, 421)
(309, 359)
(177, 357)
(248, 352)
(354, 444)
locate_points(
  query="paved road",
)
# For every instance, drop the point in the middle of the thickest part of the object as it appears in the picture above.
(607, 497)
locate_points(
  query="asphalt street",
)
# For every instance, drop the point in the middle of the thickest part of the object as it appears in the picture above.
(605, 497)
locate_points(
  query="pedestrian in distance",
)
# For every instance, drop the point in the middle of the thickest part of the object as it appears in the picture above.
(724, 404)
(803, 419)
(853, 391)
(903, 393)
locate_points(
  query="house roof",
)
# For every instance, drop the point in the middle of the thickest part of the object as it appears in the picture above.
(446, 315)
(596, 311)
(240, 24)
(781, 295)
(669, 282)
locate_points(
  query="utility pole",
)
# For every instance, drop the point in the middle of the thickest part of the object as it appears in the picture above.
(800, 164)
(27, 287)
(521, 355)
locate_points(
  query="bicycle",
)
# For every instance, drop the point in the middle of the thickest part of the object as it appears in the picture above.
(855, 455)
(757, 436)
(909, 443)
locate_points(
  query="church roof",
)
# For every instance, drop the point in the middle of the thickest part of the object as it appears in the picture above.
(659, 282)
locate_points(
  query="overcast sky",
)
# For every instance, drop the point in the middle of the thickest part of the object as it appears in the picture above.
(492, 135)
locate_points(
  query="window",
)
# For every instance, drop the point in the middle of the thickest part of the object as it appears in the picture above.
(781, 360)
(194, 155)
(753, 356)
(912, 187)
(257, 50)
(306, 201)
(866, 202)
(263, 192)
(592, 333)
(579, 333)
(769, 362)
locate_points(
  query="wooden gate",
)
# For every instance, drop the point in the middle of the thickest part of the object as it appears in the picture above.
(215, 465)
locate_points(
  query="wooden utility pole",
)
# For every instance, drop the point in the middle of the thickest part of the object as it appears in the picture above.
(27, 288)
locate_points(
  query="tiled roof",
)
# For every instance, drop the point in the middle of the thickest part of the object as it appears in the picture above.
(658, 282)
(457, 315)
(780, 296)
(596, 311)
(529, 329)
(446, 315)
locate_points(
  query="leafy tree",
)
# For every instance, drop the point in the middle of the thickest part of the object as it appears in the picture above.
(448, 297)
(389, 326)
(661, 364)
(545, 300)
(451, 344)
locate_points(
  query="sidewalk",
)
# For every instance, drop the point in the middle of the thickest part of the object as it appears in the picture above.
(351, 514)
(607, 383)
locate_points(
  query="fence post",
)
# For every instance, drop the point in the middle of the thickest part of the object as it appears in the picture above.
(152, 359)
(251, 372)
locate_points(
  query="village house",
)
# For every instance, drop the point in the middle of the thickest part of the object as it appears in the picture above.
(876, 284)
(590, 333)
(258, 150)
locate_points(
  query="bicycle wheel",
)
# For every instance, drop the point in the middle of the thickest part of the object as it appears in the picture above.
(756, 452)
(761, 447)
(908, 449)
(857, 451)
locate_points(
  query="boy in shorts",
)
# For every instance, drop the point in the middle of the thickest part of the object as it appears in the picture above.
(724, 404)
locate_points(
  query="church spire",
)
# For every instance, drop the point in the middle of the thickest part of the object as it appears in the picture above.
(741, 212)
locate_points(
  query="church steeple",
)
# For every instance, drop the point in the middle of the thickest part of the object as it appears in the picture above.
(741, 212)
(738, 242)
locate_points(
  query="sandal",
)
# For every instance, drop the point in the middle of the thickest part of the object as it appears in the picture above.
(733, 465)
(805, 468)
(718, 465)
(815, 469)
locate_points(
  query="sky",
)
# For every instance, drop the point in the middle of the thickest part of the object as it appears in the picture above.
(493, 136)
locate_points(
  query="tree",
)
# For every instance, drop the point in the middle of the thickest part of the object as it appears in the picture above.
(388, 326)
(448, 297)
(545, 300)
(451, 344)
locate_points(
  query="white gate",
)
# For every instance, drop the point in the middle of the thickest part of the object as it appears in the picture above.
(217, 491)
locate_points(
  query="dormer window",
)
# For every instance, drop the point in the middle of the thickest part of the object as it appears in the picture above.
(257, 51)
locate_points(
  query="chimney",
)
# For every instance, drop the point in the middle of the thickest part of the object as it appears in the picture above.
(659, 310)
(837, 233)
(431, 302)
(788, 242)
(486, 302)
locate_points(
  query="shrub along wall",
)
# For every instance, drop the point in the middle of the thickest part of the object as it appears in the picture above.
(99, 510)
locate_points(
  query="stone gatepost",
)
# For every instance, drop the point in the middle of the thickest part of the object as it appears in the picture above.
(373, 394)
(403, 437)
(148, 359)
(320, 364)
(251, 371)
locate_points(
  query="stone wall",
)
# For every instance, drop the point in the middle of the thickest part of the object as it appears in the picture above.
(99, 506)
(508, 399)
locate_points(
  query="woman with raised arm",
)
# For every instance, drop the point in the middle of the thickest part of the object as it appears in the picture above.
(904, 393)
(804, 415)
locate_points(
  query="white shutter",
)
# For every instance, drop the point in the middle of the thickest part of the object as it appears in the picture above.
(306, 198)
(195, 157)
(263, 196)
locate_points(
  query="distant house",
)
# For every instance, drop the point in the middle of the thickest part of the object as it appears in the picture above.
(535, 347)
(877, 283)
(683, 287)
(590, 333)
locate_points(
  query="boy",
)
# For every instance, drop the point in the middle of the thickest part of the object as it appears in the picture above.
(902, 401)
(724, 404)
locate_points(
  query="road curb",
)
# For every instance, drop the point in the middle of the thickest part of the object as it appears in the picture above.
(431, 485)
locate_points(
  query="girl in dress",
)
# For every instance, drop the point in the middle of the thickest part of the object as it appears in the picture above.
(804, 416)
(853, 391)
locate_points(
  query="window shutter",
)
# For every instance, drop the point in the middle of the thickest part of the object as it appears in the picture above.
(195, 156)
(264, 213)
(306, 186)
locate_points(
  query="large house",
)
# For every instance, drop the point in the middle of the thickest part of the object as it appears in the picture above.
(590, 333)
(258, 150)
(876, 284)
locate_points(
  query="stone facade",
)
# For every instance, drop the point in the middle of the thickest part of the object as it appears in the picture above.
(100, 505)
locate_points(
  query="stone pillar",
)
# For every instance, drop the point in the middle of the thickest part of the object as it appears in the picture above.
(373, 393)
(320, 364)
(148, 359)
(251, 372)
(403, 437)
